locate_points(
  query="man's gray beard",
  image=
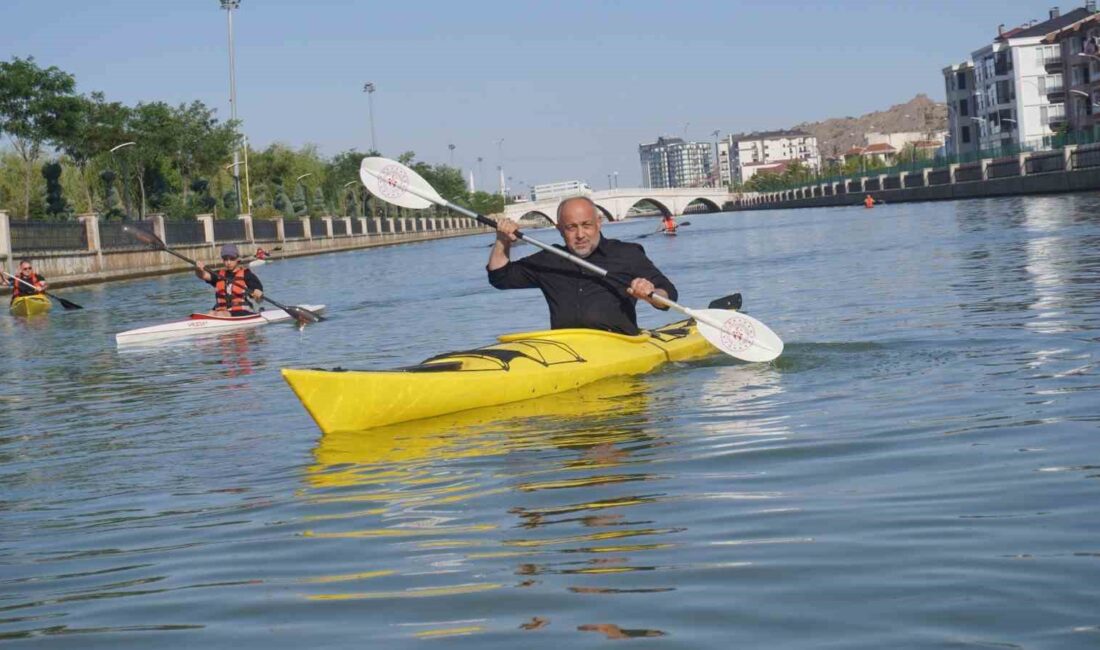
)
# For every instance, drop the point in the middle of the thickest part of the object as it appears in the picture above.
(595, 245)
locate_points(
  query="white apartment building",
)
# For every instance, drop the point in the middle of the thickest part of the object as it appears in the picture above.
(741, 154)
(1020, 85)
(962, 129)
(672, 162)
(559, 190)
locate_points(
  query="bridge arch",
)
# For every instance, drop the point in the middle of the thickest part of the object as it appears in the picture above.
(605, 213)
(661, 207)
(710, 206)
(536, 214)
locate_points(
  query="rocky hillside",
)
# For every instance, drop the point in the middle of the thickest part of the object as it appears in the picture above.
(837, 135)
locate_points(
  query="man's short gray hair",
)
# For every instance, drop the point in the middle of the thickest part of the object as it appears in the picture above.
(579, 197)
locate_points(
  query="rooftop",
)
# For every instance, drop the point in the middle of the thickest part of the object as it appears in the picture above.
(1047, 26)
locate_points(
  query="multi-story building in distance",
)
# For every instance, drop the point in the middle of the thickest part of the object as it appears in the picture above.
(1021, 81)
(1079, 46)
(962, 136)
(672, 162)
(740, 155)
(559, 190)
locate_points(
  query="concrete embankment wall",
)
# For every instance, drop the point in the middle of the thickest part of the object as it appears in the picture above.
(73, 267)
(1071, 168)
(1073, 181)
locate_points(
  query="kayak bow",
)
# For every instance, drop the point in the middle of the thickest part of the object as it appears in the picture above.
(33, 305)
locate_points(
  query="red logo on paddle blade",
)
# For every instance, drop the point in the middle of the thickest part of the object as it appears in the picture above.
(737, 334)
(393, 182)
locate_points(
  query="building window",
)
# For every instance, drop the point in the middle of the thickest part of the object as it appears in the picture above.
(964, 107)
(966, 134)
(960, 80)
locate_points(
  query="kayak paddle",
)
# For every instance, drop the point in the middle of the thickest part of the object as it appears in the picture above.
(679, 225)
(300, 314)
(738, 335)
(67, 304)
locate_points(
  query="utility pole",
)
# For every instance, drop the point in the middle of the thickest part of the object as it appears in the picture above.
(369, 89)
(500, 165)
(230, 6)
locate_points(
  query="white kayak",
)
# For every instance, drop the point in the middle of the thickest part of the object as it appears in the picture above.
(204, 323)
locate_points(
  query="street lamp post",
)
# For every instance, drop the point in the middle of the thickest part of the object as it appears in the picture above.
(125, 173)
(717, 161)
(616, 180)
(369, 89)
(230, 6)
(235, 167)
(500, 163)
(305, 194)
(452, 148)
(480, 177)
(346, 210)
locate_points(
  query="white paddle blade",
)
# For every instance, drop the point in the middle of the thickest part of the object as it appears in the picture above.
(395, 183)
(737, 334)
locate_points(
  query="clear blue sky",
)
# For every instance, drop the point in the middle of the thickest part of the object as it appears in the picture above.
(571, 86)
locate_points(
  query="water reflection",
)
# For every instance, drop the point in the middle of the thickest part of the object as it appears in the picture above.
(573, 479)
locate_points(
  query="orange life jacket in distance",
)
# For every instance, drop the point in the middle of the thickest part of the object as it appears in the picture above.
(20, 289)
(231, 295)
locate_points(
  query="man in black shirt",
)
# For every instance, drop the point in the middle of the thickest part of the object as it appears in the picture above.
(576, 297)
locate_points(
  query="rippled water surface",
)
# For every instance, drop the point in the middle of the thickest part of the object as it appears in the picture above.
(920, 469)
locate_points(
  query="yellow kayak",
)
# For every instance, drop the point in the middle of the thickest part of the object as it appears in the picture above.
(30, 305)
(519, 367)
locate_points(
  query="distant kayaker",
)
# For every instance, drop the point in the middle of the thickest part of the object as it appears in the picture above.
(29, 277)
(233, 286)
(576, 297)
(668, 223)
(261, 254)
(869, 201)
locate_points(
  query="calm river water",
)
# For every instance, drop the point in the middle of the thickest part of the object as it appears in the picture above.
(920, 469)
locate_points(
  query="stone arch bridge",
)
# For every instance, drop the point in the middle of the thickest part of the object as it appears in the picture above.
(615, 204)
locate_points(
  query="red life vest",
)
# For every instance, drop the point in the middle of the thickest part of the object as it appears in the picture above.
(20, 289)
(235, 296)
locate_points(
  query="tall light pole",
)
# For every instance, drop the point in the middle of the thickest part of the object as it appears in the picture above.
(452, 148)
(125, 173)
(500, 163)
(480, 176)
(717, 162)
(616, 180)
(369, 89)
(230, 6)
(353, 196)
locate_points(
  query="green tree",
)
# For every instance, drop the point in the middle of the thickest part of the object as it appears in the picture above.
(37, 107)
(56, 205)
(99, 125)
(200, 143)
(485, 203)
(153, 127)
(202, 201)
(300, 207)
(319, 207)
(111, 207)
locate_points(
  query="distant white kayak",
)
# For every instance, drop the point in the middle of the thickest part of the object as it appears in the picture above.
(201, 324)
(255, 263)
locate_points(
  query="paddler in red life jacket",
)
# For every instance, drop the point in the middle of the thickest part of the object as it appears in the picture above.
(261, 254)
(28, 276)
(669, 223)
(233, 286)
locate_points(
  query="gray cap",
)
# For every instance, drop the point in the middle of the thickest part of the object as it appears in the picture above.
(230, 250)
